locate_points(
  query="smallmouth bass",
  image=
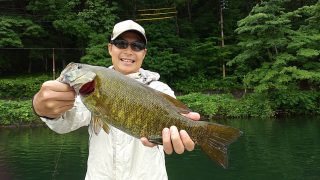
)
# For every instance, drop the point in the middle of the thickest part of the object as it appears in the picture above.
(141, 111)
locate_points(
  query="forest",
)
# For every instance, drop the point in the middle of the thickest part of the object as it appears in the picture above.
(224, 58)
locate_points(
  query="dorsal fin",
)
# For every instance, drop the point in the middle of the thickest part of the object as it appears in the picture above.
(180, 107)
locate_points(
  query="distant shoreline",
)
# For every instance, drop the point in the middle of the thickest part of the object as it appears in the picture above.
(13, 126)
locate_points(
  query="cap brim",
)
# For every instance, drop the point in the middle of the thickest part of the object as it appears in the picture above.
(141, 35)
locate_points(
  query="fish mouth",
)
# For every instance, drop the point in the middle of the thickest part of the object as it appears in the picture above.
(87, 88)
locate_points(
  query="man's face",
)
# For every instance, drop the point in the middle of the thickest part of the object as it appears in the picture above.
(127, 60)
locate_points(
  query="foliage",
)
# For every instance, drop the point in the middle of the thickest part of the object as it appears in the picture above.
(101, 19)
(163, 52)
(16, 112)
(296, 102)
(90, 22)
(287, 102)
(96, 53)
(169, 64)
(16, 31)
(197, 83)
(15, 99)
(253, 105)
(13, 30)
(95, 16)
(275, 54)
(275, 103)
(21, 87)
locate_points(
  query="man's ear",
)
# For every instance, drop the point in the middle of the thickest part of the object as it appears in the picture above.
(109, 48)
(145, 53)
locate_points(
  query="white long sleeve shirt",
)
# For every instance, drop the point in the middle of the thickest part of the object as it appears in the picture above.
(117, 155)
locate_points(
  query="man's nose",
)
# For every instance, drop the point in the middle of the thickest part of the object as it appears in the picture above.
(128, 50)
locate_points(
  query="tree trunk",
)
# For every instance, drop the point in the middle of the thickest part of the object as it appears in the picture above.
(276, 49)
(222, 41)
(53, 65)
(46, 64)
(177, 25)
(189, 9)
(134, 9)
(29, 66)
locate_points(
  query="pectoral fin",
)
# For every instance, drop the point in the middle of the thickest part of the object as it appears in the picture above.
(106, 128)
(97, 124)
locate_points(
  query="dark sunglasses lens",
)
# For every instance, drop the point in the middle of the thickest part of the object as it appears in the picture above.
(137, 46)
(121, 44)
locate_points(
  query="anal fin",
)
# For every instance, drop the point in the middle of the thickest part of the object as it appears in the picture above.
(155, 139)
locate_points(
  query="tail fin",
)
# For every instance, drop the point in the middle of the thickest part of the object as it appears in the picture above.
(218, 137)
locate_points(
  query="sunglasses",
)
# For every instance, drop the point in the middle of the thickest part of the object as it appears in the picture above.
(123, 44)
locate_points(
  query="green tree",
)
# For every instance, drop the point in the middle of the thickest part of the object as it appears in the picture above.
(16, 31)
(270, 57)
(304, 46)
(90, 22)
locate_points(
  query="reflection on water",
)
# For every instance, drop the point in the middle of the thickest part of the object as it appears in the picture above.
(39, 153)
(268, 149)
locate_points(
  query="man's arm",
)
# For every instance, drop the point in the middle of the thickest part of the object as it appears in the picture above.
(55, 103)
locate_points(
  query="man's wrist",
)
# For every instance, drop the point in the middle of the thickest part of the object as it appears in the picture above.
(34, 111)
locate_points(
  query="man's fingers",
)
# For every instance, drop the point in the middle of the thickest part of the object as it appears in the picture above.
(187, 141)
(166, 140)
(58, 111)
(57, 104)
(192, 115)
(145, 142)
(176, 140)
(55, 85)
(57, 91)
(65, 107)
(54, 95)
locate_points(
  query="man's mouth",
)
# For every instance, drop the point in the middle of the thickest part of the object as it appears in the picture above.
(127, 60)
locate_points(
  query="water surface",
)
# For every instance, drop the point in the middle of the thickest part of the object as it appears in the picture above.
(268, 149)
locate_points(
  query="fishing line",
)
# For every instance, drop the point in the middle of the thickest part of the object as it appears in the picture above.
(57, 160)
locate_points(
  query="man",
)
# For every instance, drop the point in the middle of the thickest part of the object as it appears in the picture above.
(115, 155)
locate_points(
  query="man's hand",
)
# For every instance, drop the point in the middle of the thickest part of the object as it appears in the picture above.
(173, 140)
(53, 99)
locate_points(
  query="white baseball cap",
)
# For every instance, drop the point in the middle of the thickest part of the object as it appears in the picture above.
(128, 25)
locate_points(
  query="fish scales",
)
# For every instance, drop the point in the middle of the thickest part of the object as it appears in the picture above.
(140, 111)
(128, 107)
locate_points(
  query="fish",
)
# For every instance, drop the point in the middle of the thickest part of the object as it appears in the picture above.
(140, 111)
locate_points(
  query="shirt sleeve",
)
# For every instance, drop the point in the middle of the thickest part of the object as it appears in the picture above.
(71, 120)
(162, 87)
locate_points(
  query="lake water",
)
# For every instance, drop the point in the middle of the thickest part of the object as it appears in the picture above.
(268, 149)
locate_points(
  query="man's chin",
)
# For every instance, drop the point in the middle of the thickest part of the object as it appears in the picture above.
(126, 70)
